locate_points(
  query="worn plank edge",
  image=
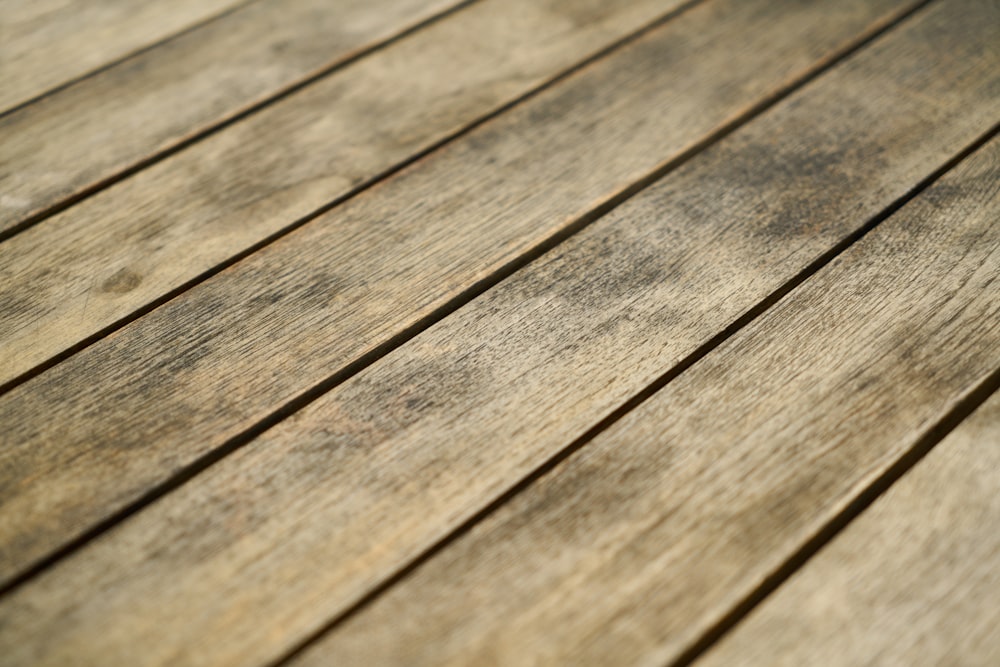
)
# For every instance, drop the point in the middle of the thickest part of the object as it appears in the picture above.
(221, 123)
(474, 290)
(935, 434)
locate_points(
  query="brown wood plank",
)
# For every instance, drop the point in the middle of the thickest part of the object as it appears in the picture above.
(303, 522)
(629, 551)
(82, 271)
(45, 43)
(78, 138)
(912, 581)
(139, 406)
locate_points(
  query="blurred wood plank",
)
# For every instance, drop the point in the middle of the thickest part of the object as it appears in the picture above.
(630, 550)
(302, 523)
(84, 270)
(46, 43)
(78, 138)
(912, 581)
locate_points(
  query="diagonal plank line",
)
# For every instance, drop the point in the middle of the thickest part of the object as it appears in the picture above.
(471, 292)
(362, 187)
(226, 120)
(923, 446)
(166, 39)
(935, 434)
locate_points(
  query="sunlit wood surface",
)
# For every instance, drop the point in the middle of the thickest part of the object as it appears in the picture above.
(499, 332)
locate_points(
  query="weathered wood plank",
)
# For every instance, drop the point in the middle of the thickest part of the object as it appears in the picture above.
(146, 402)
(628, 551)
(45, 43)
(912, 581)
(79, 137)
(300, 524)
(81, 271)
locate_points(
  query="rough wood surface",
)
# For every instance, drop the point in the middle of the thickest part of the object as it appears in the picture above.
(83, 135)
(628, 551)
(302, 522)
(83, 270)
(45, 43)
(915, 580)
(148, 400)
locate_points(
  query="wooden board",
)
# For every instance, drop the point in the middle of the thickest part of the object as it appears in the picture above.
(303, 522)
(246, 346)
(629, 551)
(78, 138)
(912, 581)
(46, 43)
(81, 272)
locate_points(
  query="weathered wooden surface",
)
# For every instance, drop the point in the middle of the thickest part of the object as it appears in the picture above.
(46, 43)
(78, 137)
(915, 580)
(79, 272)
(628, 551)
(143, 403)
(305, 520)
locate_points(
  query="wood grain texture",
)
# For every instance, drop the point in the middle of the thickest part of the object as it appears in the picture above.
(148, 400)
(913, 581)
(302, 522)
(89, 132)
(628, 551)
(81, 271)
(45, 43)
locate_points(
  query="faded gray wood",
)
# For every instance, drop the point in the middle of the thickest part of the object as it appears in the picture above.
(89, 132)
(629, 551)
(81, 271)
(913, 581)
(148, 400)
(301, 523)
(45, 43)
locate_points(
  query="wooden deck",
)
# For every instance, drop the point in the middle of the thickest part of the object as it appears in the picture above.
(499, 332)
